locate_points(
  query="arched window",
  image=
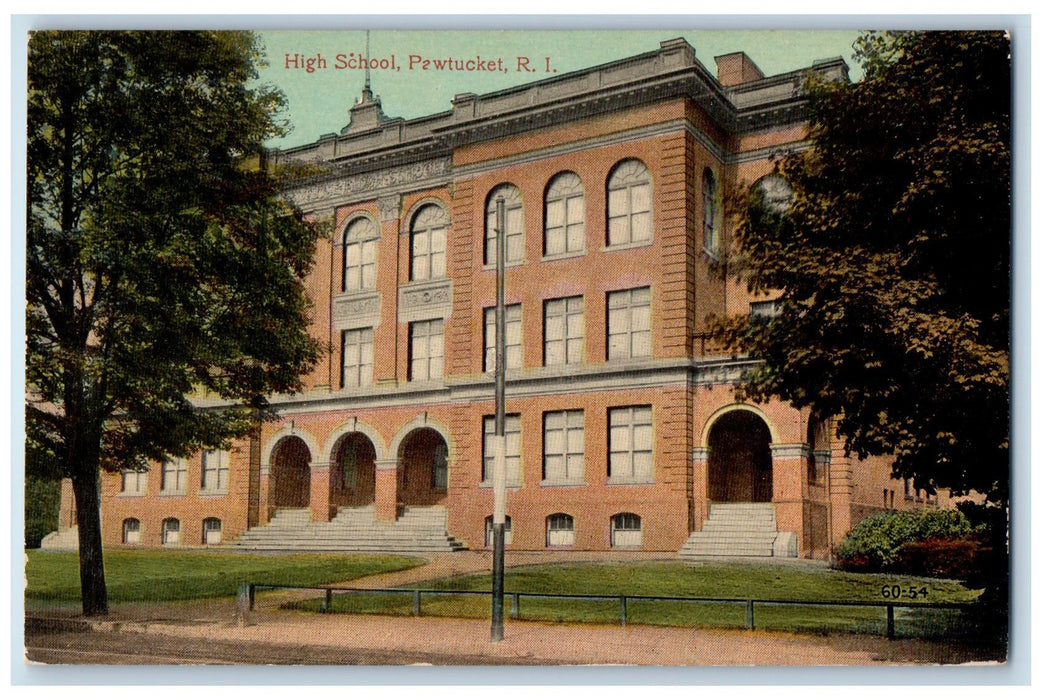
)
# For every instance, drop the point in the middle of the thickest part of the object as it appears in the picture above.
(514, 222)
(360, 241)
(212, 531)
(131, 531)
(625, 530)
(560, 530)
(710, 240)
(629, 204)
(172, 531)
(428, 236)
(508, 535)
(565, 230)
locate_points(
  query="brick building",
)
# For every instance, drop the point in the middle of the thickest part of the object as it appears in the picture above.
(623, 430)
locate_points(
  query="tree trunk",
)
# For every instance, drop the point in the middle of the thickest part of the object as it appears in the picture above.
(88, 518)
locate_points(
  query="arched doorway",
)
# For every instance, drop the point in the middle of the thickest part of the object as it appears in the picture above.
(423, 473)
(290, 474)
(353, 481)
(740, 459)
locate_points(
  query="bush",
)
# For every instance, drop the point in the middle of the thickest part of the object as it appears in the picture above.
(874, 544)
(949, 557)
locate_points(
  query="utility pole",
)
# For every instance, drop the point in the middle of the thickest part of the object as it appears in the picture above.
(499, 476)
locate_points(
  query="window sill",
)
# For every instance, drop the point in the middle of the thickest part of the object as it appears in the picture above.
(491, 267)
(712, 255)
(510, 485)
(122, 494)
(171, 494)
(629, 482)
(213, 492)
(627, 246)
(553, 484)
(564, 256)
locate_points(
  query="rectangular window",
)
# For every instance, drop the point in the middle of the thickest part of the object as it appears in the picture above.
(513, 328)
(360, 265)
(563, 331)
(215, 471)
(563, 447)
(356, 354)
(174, 476)
(512, 432)
(428, 254)
(426, 350)
(630, 445)
(629, 323)
(133, 482)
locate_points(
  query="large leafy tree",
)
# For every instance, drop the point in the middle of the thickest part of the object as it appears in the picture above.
(892, 260)
(160, 266)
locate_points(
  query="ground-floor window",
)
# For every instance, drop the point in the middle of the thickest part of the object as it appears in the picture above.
(212, 531)
(131, 531)
(625, 530)
(560, 530)
(508, 535)
(171, 531)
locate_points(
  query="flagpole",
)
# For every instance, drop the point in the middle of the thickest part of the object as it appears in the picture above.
(499, 442)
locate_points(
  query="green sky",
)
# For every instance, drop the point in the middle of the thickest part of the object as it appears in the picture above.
(319, 101)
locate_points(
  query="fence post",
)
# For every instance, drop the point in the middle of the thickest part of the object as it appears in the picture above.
(515, 608)
(242, 604)
(749, 615)
(327, 604)
(889, 621)
(253, 595)
(416, 603)
(622, 609)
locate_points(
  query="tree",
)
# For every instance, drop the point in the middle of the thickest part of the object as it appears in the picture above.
(892, 260)
(159, 266)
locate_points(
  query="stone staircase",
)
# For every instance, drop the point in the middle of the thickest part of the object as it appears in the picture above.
(62, 541)
(419, 530)
(739, 530)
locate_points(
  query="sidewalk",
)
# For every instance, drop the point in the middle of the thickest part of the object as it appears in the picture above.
(524, 642)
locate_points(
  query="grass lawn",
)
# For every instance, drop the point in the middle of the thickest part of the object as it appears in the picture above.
(681, 579)
(156, 575)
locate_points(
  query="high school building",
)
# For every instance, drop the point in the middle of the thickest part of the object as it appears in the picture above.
(622, 427)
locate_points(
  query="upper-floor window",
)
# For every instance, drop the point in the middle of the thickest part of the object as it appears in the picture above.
(629, 204)
(563, 331)
(710, 239)
(133, 482)
(514, 223)
(356, 357)
(426, 350)
(629, 323)
(174, 476)
(360, 241)
(513, 344)
(428, 236)
(215, 470)
(565, 216)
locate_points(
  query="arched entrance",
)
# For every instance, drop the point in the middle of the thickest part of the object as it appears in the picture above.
(290, 474)
(423, 473)
(740, 467)
(353, 479)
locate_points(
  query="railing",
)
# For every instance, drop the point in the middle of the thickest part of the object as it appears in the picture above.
(248, 591)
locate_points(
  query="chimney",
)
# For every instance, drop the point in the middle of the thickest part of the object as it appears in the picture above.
(736, 68)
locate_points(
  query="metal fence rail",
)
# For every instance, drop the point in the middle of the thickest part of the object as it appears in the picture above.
(247, 595)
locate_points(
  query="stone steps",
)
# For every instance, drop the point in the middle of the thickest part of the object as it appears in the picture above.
(738, 530)
(418, 530)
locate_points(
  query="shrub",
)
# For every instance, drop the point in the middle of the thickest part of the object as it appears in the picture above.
(874, 543)
(950, 557)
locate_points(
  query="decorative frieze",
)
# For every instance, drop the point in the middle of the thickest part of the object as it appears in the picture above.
(348, 188)
(356, 310)
(421, 301)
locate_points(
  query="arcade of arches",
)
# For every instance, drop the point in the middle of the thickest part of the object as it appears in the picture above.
(420, 474)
